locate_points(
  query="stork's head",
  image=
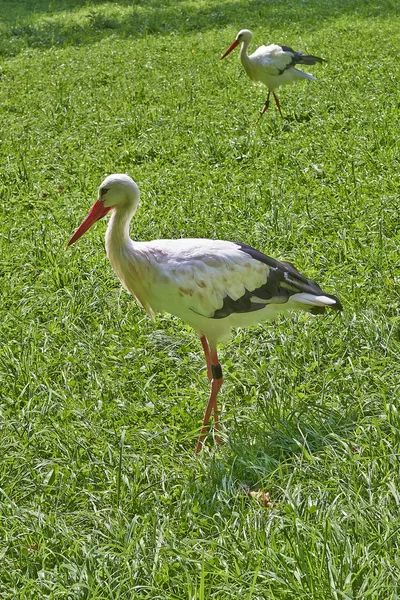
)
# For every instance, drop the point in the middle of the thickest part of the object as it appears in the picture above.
(116, 191)
(244, 35)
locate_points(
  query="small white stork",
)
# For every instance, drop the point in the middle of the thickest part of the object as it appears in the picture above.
(272, 65)
(213, 285)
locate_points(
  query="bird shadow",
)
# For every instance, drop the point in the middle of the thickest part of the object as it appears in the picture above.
(282, 123)
(254, 456)
(304, 118)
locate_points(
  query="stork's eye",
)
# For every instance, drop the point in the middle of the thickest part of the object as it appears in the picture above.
(103, 191)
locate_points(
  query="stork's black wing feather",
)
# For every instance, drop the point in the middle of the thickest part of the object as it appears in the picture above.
(301, 59)
(283, 281)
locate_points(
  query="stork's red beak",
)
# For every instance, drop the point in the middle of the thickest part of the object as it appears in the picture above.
(97, 211)
(231, 47)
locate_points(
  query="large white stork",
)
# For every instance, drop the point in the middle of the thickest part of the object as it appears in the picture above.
(213, 285)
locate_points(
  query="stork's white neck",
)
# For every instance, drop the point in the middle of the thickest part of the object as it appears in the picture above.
(127, 257)
(117, 234)
(244, 57)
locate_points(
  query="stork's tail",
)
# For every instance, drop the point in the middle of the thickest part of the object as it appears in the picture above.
(308, 59)
(317, 304)
(308, 293)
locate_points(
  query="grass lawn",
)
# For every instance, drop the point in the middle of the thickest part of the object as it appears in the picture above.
(101, 496)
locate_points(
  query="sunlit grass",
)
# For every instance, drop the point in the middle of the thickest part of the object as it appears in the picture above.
(100, 494)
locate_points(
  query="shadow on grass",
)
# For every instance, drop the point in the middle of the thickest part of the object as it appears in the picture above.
(43, 24)
(296, 118)
(257, 454)
(260, 458)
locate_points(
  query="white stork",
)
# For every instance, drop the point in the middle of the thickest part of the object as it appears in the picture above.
(272, 65)
(213, 285)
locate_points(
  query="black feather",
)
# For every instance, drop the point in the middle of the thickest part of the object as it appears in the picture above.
(283, 281)
(308, 59)
(298, 58)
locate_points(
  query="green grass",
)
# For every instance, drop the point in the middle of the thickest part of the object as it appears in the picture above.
(100, 495)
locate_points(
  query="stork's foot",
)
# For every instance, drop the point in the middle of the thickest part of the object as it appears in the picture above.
(264, 109)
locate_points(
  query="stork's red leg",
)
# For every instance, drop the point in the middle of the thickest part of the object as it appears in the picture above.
(216, 382)
(266, 105)
(216, 373)
(206, 349)
(278, 103)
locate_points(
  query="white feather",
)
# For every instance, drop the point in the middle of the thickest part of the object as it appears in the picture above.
(304, 298)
